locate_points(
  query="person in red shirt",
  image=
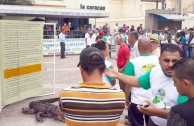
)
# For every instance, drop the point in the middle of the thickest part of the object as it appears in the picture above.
(122, 57)
(65, 28)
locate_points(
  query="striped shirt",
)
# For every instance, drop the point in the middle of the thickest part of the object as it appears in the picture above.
(92, 104)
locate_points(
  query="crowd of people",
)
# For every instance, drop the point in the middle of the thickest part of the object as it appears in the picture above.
(183, 38)
(155, 73)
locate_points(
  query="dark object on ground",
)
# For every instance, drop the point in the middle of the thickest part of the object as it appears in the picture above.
(44, 108)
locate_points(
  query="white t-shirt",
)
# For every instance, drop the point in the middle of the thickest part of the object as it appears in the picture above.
(164, 93)
(162, 39)
(62, 37)
(192, 42)
(187, 38)
(156, 52)
(104, 77)
(94, 38)
(142, 64)
(116, 28)
(134, 51)
(173, 40)
(89, 39)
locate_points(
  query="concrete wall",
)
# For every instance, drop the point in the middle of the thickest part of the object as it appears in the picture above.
(151, 22)
(188, 23)
(129, 12)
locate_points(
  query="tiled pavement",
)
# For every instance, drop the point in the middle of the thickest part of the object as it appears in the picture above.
(67, 74)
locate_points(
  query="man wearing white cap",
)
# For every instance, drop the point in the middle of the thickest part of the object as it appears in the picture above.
(155, 50)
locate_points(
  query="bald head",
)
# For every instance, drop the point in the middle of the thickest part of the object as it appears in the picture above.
(144, 45)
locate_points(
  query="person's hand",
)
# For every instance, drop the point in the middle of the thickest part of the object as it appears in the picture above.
(121, 70)
(192, 45)
(150, 110)
(111, 73)
(128, 103)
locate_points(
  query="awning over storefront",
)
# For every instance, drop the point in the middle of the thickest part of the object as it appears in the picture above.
(15, 10)
(173, 17)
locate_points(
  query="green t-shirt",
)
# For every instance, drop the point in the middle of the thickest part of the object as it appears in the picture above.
(129, 70)
(144, 82)
(182, 99)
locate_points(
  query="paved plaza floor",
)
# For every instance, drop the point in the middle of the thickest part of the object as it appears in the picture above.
(66, 74)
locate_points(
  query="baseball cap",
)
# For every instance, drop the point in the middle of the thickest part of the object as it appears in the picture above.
(91, 56)
(101, 33)
(154, 37)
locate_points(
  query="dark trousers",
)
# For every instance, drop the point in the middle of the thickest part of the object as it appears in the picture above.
(151, 123)
(136, 116)
(190, 51)
(62, 44)
(109, 50)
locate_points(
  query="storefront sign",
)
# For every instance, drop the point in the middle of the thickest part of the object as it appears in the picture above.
(72, 46)
(88, 7)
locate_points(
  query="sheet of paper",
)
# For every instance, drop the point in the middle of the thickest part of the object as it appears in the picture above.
(21, 60)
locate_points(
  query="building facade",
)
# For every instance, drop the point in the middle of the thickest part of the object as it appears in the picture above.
(132, 12)
(74, 12)
(129, 12)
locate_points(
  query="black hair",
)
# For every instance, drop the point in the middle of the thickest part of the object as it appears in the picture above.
(191, 29)
(178, 34)
(184, 69)
(182, 33)
(169, 47)
(101, 45)
(89, 68)
(98, 37)
(134, 34)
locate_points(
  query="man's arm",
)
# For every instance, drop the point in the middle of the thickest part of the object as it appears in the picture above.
(86, 36)
(143, 81)
(130, 80)
(86, 41)
(129, 70)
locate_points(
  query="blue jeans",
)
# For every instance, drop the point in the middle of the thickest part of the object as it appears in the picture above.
(186, 51)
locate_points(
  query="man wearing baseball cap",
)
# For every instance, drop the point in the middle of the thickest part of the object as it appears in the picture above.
(155, 50)
(92, 102)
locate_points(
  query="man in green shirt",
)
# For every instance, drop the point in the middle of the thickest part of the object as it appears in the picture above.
(160, 81)
(137, 67)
